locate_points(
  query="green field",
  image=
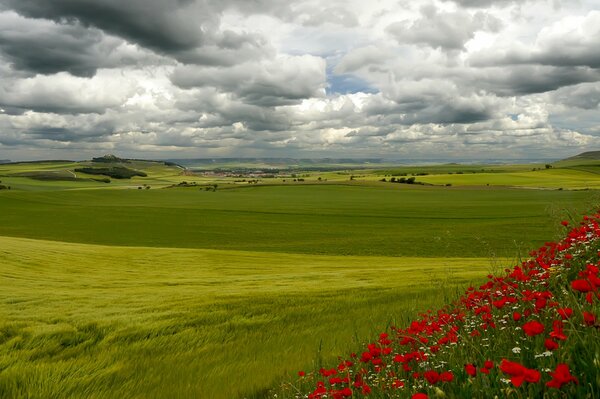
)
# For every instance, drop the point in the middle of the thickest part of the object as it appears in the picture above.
(94, 321)
(109, 290)
(334, 220)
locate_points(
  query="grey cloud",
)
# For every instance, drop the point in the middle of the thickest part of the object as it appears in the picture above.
(585, 96)
(41, 46)
(531, 79)
(165, 25)
(445, 30)
(187, 30)
(281, 81)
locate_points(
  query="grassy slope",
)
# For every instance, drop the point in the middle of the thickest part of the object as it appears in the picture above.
(92, 321)
(551, 178)
(336, 220)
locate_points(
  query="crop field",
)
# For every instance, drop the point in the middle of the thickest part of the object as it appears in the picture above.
(95, 321)
(132, 289)
(387, 220)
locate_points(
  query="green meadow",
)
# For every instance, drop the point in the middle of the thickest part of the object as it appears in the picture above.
(117, 290)
(391, 220)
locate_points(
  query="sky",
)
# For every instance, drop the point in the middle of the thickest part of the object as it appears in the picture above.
(460, 79)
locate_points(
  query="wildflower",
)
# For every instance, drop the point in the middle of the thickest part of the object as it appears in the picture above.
(533, 328)
(446, 376)
(431, 376)
(561, 376)
(550, 344)
(397, 384)
(557, 330)
(589, 318)
(581, 285)
(519, 373)
(420, 396)
(564, 313)
(470, 369)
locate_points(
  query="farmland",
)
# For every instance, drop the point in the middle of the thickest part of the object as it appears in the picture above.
(141, 287)
(150, 322)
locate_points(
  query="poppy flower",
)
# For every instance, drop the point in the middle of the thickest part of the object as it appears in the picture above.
(420, 396)
(557, 330)
(581, 285)
(561, 376)
(589, 318)
(519, 373)
(516, 316)
(564, 313)
(550, 344)
(397, 384)
(431, 376)
(533, 328)
(471, 369)
(446, 376)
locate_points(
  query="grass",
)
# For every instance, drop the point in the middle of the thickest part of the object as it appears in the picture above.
(549, 178)
(95, 321)
(333, 220)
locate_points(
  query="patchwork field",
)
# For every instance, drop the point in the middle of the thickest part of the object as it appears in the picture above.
(116, 290)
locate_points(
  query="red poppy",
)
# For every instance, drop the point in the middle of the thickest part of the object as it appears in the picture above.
(581, 285)
(557, 330)
(564, 313)
(561, 376)
(589, 318)
(519, 373)
(516, 316)
(471, 369)
(550, 344)
(446, 376)
(420, 396)
(398, 384)
(533, 328)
